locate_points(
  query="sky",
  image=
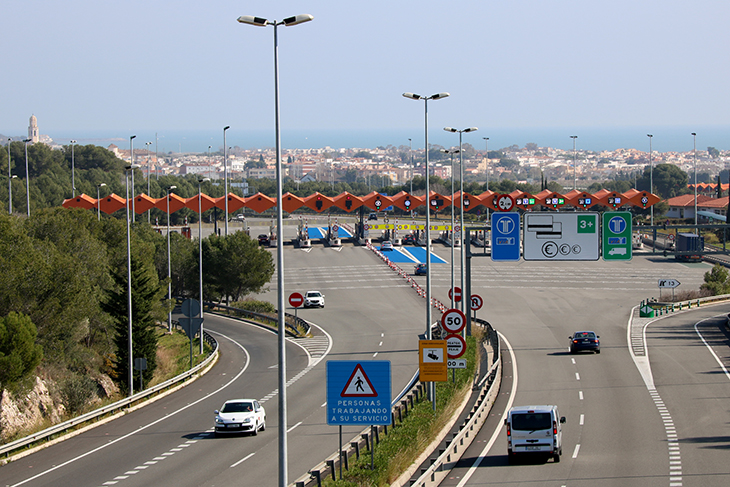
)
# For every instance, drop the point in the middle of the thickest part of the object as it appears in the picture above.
(582, 66)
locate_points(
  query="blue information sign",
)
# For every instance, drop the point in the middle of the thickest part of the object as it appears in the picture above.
(506, 236)
(358, 392)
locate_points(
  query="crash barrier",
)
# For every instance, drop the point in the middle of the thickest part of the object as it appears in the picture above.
(662, 308)
(294, 330)
(414, 285)
(90, 418)
(401, 406)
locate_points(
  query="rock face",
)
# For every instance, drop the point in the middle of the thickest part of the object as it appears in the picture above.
(18, 414)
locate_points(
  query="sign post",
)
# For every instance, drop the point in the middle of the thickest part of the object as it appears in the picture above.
(668, 283)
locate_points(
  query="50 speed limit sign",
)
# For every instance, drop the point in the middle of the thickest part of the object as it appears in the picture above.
(453, 321)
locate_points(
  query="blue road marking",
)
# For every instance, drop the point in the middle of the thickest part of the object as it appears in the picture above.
(419, 253)
(321, 232)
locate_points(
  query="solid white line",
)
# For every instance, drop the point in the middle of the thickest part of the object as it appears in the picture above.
(142, 428)
(575, 452)
(289, 430)
(498, 430)
(717, 359)
(243, 459)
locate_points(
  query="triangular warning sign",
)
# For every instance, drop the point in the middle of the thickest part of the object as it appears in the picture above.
(358, 385)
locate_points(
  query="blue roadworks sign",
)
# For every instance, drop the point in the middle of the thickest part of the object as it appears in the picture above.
(506, 236)
(358, 392)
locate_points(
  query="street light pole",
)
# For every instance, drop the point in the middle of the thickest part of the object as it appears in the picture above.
(225, 173)
(694, 154)
(451, 153)
(486, 148)
(200, 254)
(130, 376)
(131, 163)
(410, 154)
(437, 96)
(574, 161)
(73, 177)
(10, 182)
(260, 22)
(169, 262)
(464, 298)
(27, 177)
(651, 178)
(98, 198)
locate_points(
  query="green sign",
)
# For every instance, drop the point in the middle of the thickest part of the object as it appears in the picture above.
(616, 242)
(587, 224)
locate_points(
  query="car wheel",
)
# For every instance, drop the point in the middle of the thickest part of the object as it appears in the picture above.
(556, 458)
(263, 426)
(255, 429)
(598, 350)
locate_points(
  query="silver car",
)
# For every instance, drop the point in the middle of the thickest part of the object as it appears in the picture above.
(240, 416)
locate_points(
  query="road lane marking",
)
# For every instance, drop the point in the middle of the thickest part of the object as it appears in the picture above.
(577, 376)
(582, 419)
(580, 395)
(573, 360)
(243, 459)
(289, 430)
(575, 452)
(149, 425)
(714, 355)
(498, 430)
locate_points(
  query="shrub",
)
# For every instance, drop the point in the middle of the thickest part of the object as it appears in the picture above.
(255, 306)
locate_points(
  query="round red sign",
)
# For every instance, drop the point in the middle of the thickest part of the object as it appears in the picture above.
(296, 299)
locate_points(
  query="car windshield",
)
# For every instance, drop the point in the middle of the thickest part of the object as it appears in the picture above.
(313, 294)
(585, 334)
(531, 421)
(237, 407)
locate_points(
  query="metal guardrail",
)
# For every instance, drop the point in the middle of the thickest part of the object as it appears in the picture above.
(267, 319)
(48, 433)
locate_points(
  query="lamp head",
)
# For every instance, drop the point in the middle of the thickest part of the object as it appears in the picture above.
(131, 166)
(649, 135)
(101, 185)
(438, 96)
(226, 127)
(72, 142)
(297, 19)
(251, 20)
(28, 140)
(470, 129)
(132, 137)
(694, 134)
(412, 96)
(200, 180)
(450, 129)
(171, 188)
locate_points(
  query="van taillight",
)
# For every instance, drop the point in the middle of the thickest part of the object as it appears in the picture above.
(555, 428)
(509, 433)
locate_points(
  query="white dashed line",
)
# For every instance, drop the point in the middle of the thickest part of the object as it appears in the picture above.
(577, 376)
(243, 459)
(289, 430)
(582, 419)
(580, 395)
(575, 452)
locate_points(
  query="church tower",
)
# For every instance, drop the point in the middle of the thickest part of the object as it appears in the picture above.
(33, 133)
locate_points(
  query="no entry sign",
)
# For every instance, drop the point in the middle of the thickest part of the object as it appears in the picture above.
(455, 294)
(296, 299)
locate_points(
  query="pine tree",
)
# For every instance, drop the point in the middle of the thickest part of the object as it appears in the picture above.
(147, 296)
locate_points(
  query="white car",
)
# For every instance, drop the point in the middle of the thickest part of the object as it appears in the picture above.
(313, 298)
(386, 245)
(240, 416)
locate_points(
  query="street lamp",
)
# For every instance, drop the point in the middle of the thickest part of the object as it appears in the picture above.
(169, 262)
(486, 148)
(131, 162)
(260, 22)
(574, 178)
(10, 181)
(27, 177)
(410, 154)
(98, 197)
(130, 376)
(200, 254)
(651, 177)
(694, 155)
(461, 210)
(73, 178)
(437, 96)
(451, 152)
(225, 173)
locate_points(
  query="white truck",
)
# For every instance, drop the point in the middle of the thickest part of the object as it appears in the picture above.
(534, 430)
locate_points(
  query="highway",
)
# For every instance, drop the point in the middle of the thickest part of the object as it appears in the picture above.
(371, 312)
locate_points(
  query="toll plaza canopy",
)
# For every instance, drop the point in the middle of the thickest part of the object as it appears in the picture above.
(318, 202)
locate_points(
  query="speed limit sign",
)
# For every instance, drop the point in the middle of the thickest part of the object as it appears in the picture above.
(453, 320)
(476, 302)
(505, 202)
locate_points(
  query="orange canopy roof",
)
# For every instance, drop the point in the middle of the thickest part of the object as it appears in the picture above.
(81, 201)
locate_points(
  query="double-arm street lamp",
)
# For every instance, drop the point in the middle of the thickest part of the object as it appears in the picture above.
(131, 162)
(694, 155)
(10, 181)
(261, 22)
(461, 210)
(169, 262)
(437, 96)
(98, 199)
(651, 177)
(451, 153)
(225, 173)
(200, 253)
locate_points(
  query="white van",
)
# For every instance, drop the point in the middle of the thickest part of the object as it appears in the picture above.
(534, 429)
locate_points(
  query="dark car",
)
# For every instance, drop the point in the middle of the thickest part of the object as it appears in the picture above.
(373, 216)
(420, 270)
(584, 340)
(409, 239)
(263, 239)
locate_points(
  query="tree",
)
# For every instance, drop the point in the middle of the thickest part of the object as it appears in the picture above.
(719, 187)
(19, 354)
(714, 153)
(716, 280)
(235, 265)
(146, 307)
(669, 181)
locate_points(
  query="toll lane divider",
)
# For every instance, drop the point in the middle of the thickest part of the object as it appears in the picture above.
(414, 285)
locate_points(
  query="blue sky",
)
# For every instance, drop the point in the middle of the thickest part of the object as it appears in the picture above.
(160, 65)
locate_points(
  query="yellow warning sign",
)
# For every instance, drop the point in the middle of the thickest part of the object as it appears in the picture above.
(432, 364)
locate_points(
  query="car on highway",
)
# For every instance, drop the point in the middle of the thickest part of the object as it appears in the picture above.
(313, 298)
(240, 416)
(372, 216)
(420, 270)
(584, 340)
(535, 430)
(263, 239)
(386, 245)
(409, 239)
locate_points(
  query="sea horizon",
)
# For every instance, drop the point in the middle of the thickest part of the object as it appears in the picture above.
(594, 139)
